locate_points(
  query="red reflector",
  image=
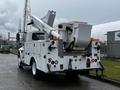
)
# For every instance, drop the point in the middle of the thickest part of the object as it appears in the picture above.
(49, 60)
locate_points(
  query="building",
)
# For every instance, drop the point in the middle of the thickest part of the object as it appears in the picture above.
(107, 33)
(113, 44)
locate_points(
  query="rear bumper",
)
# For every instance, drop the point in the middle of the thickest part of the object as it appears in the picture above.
(80, 71)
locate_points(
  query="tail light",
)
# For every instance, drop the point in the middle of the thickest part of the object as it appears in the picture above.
(56, 62)
(49, 60)
(52, 62)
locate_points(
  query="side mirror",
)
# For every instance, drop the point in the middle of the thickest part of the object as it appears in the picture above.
(18, 37)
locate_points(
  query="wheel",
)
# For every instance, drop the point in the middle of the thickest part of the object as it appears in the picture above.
(20, 65)
(35, 71)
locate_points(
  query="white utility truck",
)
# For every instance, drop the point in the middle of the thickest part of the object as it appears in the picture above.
(69, 49)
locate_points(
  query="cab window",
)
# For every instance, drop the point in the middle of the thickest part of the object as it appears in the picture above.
(38, 36)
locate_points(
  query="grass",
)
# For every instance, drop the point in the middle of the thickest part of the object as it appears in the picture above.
(14, 51)
(112, 68)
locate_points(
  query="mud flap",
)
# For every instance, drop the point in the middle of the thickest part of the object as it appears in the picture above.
(100, 69)
(70, 65)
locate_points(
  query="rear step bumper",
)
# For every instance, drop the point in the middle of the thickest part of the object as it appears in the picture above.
(80, 71)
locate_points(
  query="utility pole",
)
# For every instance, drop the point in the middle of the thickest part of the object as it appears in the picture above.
(18, 35)
(26, 18)
(19, 27)
(8, 36)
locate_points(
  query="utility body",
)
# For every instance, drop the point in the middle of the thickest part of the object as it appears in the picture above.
(67, 49)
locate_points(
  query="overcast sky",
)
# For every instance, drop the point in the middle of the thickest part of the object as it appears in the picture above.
(92, 11)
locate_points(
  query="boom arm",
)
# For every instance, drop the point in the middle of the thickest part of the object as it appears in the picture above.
(49, 18)
(39, 24)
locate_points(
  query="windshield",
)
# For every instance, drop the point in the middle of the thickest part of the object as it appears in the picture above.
(38, 36)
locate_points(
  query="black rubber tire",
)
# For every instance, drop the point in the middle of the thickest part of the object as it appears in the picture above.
(20, 66)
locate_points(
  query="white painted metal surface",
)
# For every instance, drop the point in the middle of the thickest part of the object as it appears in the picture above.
(55, 55)
(38, 49)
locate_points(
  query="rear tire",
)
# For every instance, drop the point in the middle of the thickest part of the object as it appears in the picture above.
(35, 71)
